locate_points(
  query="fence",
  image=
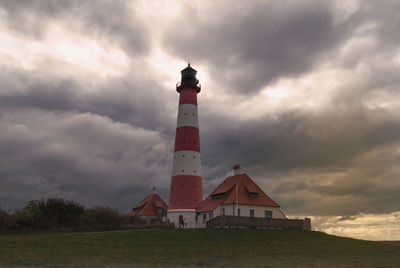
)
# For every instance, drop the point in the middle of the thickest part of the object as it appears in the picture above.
(236, 221)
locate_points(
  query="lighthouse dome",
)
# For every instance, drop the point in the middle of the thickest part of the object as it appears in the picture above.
(189, 78)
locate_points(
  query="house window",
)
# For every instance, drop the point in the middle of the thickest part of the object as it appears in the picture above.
(204, 217)
(268, 214)
(251, 212)
(238, 211)
(223, 211)
(160, 210)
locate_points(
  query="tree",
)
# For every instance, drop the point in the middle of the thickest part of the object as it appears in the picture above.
(5, 220)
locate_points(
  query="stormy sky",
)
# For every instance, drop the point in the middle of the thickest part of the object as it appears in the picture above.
(305, 95)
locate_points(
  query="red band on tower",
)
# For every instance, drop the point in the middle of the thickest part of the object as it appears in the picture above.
(188, 96)
(187, 139)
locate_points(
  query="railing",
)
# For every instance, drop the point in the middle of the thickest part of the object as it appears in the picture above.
(179, 84)
(236, 221)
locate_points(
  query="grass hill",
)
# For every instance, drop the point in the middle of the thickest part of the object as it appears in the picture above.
(193, 248)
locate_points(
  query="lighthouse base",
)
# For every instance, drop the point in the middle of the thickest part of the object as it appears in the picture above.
(182, 218)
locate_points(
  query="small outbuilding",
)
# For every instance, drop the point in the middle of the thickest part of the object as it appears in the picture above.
(150, 208)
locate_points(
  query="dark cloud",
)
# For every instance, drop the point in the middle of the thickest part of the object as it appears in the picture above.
(299, 139)
(250, 45)
(346, 218)
(100, 146)
(81, 156)
(139, 102)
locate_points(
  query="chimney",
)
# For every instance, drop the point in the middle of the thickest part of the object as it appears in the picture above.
(237, 170)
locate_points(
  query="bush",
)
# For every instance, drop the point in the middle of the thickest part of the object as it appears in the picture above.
(100, 218)
(56, 214)
(52, 213)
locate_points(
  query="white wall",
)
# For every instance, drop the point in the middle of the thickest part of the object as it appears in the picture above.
(259, 211)
(201, 222)
(188, 216)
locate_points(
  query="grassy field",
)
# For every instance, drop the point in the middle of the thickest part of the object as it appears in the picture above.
(194, 248)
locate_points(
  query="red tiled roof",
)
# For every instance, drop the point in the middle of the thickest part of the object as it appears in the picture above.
(148, 206)
(236, 189)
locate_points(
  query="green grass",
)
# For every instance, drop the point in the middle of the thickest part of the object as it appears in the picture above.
(194, 248)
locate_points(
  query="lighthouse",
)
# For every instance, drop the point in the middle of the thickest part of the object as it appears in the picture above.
(186, 190)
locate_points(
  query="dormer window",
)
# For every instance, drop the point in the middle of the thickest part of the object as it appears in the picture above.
(219, 195)
(253, 194)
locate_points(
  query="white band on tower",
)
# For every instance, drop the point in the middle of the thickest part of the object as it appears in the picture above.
(186, 163)
(187, 116)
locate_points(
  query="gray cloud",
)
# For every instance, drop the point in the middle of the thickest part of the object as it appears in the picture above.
(82, 156)
(251, 45)
(112, 20)
(296, 138)
(139, 102)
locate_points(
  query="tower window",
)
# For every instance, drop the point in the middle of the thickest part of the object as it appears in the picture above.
(193, 114)
(194, 171)
(183, 170)
(194, 156)
(185, 113)
(183, 155)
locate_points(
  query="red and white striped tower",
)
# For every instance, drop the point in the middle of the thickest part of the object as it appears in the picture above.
(186, 184)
